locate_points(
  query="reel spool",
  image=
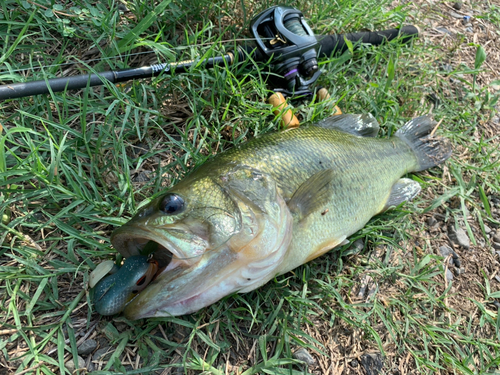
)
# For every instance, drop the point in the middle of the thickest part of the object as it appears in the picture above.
(284, 38)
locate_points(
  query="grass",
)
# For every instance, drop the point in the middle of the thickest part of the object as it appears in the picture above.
(75, 165)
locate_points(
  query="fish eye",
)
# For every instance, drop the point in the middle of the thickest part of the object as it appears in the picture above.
(172, 204)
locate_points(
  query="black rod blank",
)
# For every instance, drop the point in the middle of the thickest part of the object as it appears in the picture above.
(19, 90)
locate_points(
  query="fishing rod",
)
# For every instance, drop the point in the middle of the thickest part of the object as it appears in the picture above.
(282, 37)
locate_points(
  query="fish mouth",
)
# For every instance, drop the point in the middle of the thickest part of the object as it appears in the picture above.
(182, 285)
(185, 290)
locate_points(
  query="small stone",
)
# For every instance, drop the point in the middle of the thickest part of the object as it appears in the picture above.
(440, 217)
(120, 327)
(497, 278)
(87, 347)
(496, 237)
(141, 177)
(456, 15)
(487, 229)
(458, 237)
(303, 355)
(372, 363)
(70, 365)
(103, 342)
(445, 251)
(433, 98)
(449, 275)
(469, 30)
(354, 363)
(457, 5)
(447, 68)
(459, 271)
(496, 245)
(103, 354)
(122, 8)
(358, 245)
(90, 366)
(366, 286)
(431, 221)
(444, 30)
(457, 262)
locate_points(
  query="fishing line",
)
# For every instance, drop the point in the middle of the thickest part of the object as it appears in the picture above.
(124, 57)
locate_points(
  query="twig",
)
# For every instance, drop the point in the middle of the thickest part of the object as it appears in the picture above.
(30, 369)
(8, 331)
(79, 342)
(446, 262)
(457, 11)
(55, 11)
(435, 128)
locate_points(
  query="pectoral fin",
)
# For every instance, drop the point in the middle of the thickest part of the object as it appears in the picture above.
(313, 195)
(361, 125)
(402, 191)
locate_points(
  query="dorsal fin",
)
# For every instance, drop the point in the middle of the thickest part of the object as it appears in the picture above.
(361, 125)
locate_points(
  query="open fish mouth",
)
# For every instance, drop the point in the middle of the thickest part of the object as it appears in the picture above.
(183, 283)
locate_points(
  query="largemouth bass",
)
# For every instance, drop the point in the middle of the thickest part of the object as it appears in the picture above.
(268, 206)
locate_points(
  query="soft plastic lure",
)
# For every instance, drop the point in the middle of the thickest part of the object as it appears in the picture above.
(112, 293)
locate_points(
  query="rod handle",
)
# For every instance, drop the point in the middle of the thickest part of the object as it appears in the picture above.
(336, 44)
(323, 95)
(288, 119)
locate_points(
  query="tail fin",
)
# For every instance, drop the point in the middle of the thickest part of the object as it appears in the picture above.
(429, 151)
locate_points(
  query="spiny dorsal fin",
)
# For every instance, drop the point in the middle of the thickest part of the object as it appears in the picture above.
(312, 195)
(361, 125)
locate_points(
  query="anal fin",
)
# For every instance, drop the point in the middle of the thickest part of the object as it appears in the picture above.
(361, 125)
(403, 190)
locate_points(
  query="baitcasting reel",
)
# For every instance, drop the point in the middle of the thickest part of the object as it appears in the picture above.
(284, 38)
